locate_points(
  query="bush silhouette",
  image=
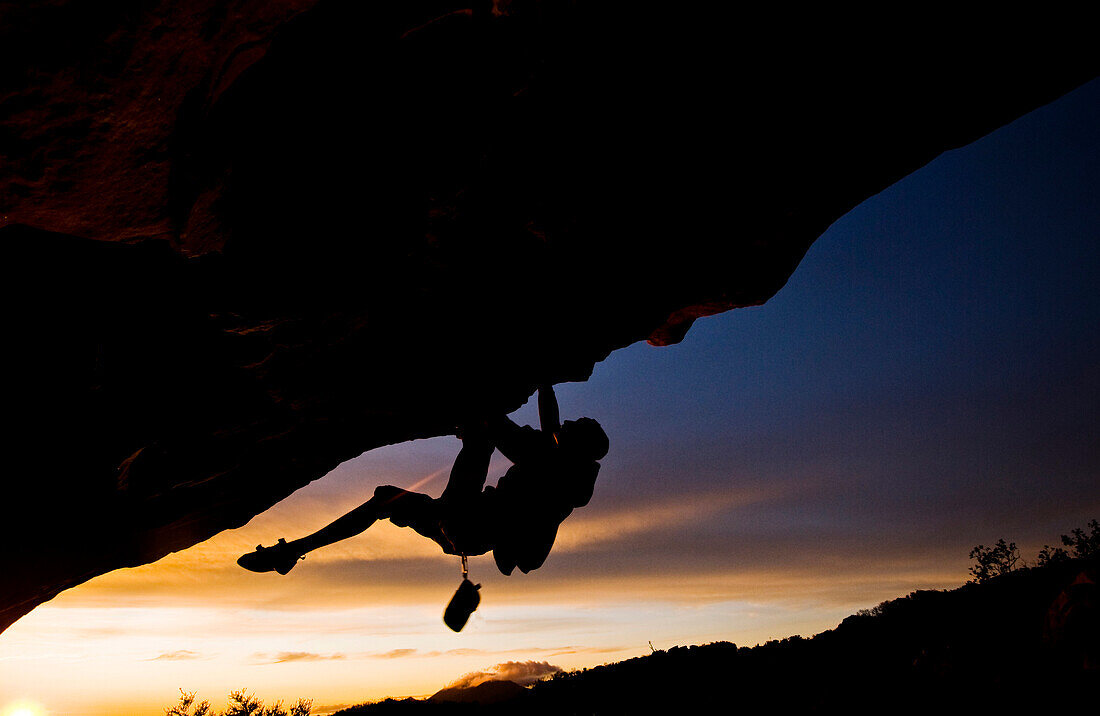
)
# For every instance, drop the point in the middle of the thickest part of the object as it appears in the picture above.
(241, 703)
(1051, 555)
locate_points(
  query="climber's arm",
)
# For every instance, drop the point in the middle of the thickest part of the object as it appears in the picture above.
(514, 442)
(549, 419)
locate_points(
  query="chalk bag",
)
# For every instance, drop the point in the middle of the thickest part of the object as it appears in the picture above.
(463, 603)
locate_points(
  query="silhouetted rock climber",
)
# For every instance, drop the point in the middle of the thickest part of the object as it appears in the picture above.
(554, 470)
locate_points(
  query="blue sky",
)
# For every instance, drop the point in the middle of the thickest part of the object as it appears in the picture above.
(940, 340)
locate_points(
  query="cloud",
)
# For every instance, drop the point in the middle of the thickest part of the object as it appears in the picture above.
(181, 655)
(521, 672)
(287, 656)
(435, 652)
(685, 546)
(381, 560)
(464, 652)
(567, 650)
(584, 529)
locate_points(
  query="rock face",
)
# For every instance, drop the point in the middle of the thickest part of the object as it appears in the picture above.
(254, 239)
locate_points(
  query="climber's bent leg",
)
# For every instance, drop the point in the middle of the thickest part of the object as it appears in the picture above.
(470, 468)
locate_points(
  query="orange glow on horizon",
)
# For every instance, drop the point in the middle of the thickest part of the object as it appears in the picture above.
(24, 708)
(360, 620)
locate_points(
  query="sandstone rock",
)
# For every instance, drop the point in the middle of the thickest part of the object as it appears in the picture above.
(255, 239)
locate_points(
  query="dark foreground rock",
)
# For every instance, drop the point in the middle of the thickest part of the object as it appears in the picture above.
(247, 241)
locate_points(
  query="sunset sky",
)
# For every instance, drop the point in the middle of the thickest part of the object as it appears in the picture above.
(928, 380)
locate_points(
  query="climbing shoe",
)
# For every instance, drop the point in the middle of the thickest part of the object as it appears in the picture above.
(277, 558)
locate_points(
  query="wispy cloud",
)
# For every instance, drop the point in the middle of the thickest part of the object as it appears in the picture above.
(461, 652)
(569, 650)
(521, 672)
(181, 655)
(584, 529)
(284, 657)
(685, 547)
(215, 559)
(551, 651)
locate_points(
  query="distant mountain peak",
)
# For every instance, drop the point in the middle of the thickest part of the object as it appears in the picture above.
(487, 692)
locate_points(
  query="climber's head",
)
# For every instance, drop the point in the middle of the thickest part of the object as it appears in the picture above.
(585, 437)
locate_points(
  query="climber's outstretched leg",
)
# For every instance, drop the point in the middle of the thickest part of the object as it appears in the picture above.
(410, 509)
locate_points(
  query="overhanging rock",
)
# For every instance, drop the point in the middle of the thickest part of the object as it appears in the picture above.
(255, 239)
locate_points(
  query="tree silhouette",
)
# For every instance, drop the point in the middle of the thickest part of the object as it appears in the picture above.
(993, 561)
(1001, 558)
(241, 703)
(183, 708)
(1084, 544)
